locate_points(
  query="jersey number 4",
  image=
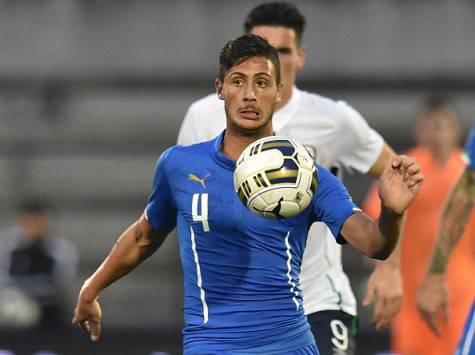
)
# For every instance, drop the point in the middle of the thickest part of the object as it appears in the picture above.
(202, 200)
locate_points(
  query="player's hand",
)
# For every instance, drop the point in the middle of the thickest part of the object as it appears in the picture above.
(385, 291)
(433, 302)
(87, 315)
(399, 183)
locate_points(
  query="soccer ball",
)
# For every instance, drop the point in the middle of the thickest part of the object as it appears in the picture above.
(275, 177)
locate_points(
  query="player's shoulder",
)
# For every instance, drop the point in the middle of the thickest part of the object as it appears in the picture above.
(182, 152)
(209, 103)
(335, 112)
(334, 106)
(324, 175)
(328, 184)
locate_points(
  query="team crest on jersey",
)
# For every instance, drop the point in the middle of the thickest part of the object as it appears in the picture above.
(202, 181)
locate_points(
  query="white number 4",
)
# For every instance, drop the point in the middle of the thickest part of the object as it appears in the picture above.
(203, 216)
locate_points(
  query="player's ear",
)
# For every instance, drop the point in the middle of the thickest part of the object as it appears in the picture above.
(280, 93)
(219, 88)
(302, 54)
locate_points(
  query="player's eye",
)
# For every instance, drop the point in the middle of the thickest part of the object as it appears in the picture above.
(261, 83)
(238, 82)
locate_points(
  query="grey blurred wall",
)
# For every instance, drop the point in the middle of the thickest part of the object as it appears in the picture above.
(92, 92)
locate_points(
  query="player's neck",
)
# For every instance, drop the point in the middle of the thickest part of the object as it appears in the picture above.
(234, 142)
(442, 155)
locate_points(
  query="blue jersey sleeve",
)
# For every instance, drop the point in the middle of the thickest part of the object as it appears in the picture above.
(470, 149)
(161, 209)
(333, 204)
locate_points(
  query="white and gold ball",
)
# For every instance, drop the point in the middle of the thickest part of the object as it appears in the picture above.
(275, 177)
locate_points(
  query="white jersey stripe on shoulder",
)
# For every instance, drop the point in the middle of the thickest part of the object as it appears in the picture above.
(199, 281)
(470, 335)
(289, 269)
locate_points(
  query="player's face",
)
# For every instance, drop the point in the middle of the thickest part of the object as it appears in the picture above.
(35, 226)
(291, 54)
(250, 93)
(439, 131)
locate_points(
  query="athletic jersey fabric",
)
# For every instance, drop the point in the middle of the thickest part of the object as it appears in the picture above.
(467, 341)
(241, 271)
(341, 139)
(469, 155)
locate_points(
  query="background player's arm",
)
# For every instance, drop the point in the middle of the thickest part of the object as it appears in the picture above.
(432, 299)
(398, 186)
(385, 282)
(135, 245)
(380, 164)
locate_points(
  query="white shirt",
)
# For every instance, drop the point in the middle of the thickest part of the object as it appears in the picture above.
(340, 138)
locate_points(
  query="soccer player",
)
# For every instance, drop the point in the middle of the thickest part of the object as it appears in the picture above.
(241, 271)
(341, 140)
(432, 300)
(439, 155)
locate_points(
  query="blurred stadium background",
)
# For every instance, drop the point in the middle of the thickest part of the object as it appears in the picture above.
(91, 92)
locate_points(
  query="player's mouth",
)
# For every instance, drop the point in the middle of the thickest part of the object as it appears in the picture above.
(249, 113)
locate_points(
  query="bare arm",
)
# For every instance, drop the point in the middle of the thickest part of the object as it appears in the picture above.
(433, 295)
(376, 170)
(375, 239)
(378, 167)
(455, 217)
(135, 245)
(385, 282)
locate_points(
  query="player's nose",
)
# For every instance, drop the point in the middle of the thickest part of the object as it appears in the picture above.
(249, 93)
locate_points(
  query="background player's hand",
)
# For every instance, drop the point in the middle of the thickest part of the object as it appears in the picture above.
(385, 291)
(87, 315)
(433, 302)
(399, 183)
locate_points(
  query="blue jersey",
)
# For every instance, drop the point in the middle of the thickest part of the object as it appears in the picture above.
(466, 345)
(470, 149)
(241, 271)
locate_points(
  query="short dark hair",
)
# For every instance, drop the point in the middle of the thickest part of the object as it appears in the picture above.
(276, 14)
(33, 205)
(245, 47)
(436, 101)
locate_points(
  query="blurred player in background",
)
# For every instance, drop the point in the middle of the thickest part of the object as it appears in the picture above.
(341, 140)
(241, 271)
(433, 298)
(438, 152)
(37, 265)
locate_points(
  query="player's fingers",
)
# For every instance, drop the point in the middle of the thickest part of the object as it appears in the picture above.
(389, 310)
(95, 329)
(416, 179)
(413, 168)
(406, 162)
(370, 293)
(84, 325)
(396, 161)
(378, 309)
(430, 320)
(446, 315)
(383, 323)
(434, 325)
